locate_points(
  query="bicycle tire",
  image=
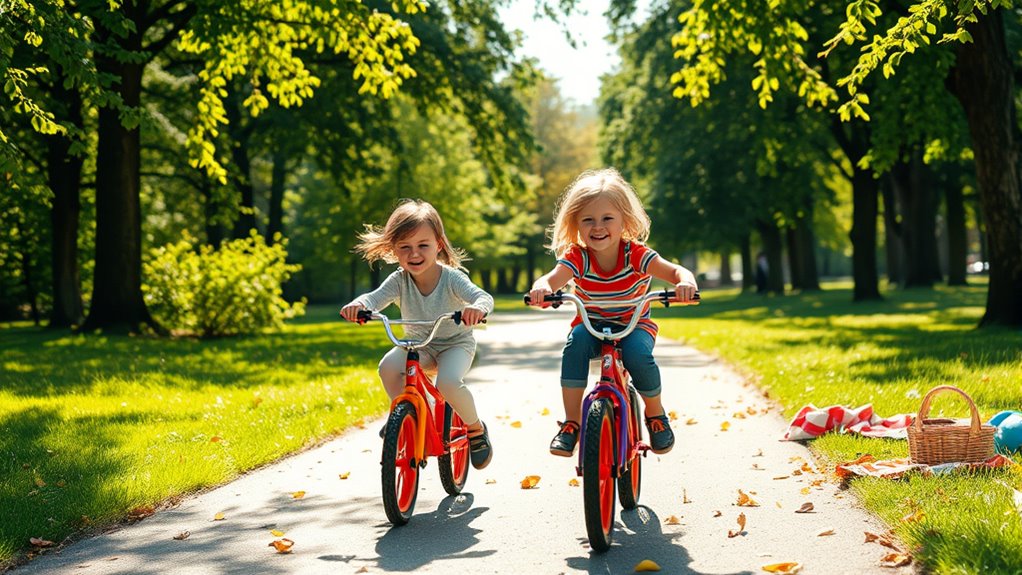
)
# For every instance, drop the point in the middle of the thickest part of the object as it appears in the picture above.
(455, 463)
(598, 474)
(629, 485)
(400, 473)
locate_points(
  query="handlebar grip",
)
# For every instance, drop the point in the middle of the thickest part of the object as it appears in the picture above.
(456, 318)
(364, 315)
(555, 299)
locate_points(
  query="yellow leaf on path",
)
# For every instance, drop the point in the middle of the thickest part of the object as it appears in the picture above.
(362, 569)
(277, 533)
(895, 560)
(40, 542)
(782, 477)
(491, 481)
(738, 415)
(807, 507)
(724, 426)
(804, 491)
(530, 482)
(545, 411)
(741, 526)
(182, 535)
(884, 540)
(673, 520)
(691, 421)
(282, 545)
(298, 494)
(672, 415)
(745, 501)
(825, 533)
(783, 568)
(573, 482)
(516, 424)
(344, 475)
(646, 565)
(778, 504)
(219, 516)
(717, 513)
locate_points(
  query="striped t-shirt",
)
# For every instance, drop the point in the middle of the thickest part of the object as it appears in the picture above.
(629, 279)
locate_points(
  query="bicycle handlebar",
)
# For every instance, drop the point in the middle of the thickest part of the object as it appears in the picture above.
(367, 315)
(665, 297)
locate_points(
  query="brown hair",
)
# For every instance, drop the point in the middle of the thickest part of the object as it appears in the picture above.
(378, 244)
(587, 187)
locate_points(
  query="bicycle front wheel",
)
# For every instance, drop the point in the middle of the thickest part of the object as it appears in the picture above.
(454, 464)
(630, 483)
(598, 474)
(400, 473)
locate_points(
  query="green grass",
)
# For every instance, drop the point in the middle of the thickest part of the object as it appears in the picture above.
(94, 427)
(823, 349)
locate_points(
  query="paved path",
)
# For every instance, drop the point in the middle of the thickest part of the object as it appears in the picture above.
(495, 526)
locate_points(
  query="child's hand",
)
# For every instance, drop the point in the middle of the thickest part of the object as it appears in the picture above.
(471, 316)
(685, 291)
(536, 295)
(350, 311)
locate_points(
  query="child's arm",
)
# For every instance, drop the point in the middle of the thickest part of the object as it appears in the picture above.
(388, 292)
(480, 302)
(684, 281)
(554, 280)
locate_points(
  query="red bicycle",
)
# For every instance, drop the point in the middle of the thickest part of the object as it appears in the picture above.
(611, 447)
(421, 425)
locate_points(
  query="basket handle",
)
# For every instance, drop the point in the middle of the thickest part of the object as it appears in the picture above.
(924, 409)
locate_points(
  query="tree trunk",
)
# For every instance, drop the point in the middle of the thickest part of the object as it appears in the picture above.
(215, 231)
(957, 247)
(275, 224)
(748, 275)
(864, 236)
(725, 268)
(353, 277)
(64, 173)
(486, 279)
(894, 247)
(983, 82)
(806, 241)
(915, 186)
(242, 172)
(117, 302)
(794, 258)
(770, 235)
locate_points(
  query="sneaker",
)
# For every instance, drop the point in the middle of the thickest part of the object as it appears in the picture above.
(661, 437)
(481, 452)
(564, 442)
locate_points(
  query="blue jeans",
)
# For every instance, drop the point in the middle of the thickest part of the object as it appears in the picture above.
(636, 353)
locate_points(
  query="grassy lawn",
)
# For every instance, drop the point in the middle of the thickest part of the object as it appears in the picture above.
(823, 349)
(96, 429)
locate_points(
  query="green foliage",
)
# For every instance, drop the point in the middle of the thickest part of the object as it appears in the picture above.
(232, 290)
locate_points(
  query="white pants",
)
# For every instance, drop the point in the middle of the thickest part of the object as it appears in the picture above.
(451, 365)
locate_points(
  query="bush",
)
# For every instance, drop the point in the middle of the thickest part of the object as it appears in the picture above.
(233, 290)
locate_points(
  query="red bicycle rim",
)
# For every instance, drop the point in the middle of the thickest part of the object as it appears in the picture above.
(406, 472)
(606, 478)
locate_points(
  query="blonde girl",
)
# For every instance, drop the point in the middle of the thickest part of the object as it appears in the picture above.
(598, 235)
(428, 283)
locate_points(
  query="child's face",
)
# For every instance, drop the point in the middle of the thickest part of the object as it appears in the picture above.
(417, 252)
(600, 225)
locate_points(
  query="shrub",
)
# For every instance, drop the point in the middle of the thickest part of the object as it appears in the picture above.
(233, 290)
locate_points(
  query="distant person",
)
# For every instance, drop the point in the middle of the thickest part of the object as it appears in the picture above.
(599, 234)
(762, 272)
(427, 284)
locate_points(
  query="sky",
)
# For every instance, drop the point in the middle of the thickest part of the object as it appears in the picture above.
(578, 69)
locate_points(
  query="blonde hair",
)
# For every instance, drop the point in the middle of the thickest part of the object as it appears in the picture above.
(378, 244)
(587, 187)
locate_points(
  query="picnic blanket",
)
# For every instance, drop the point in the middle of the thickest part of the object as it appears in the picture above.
(812, 422)
(867, 466)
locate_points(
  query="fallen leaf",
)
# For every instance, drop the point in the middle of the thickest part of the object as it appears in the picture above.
(673, 520)
(825, 533)
(362, 569)
(804, 491)
(219, 516)
(516, 424)
(39, 482)
(182, 535)
(282, 545)
(141, 512)
(738, 415)
(672, 415)
(491, 481)
(298, 494)
(759, 453)
(808, 468)
(545, 411)
(277, 533)
(750, 410)
(783, 568)
(684, 496)
(741, 526)
(725, 425)
(215, 439)
(40, 542)
(913, 517)
(884, 540)
(745, 501)
(691, 421)
(530, 482)
(573, 482)
(807, 507)
(895, 560)
(778, 504)
(344, 475)
(646, 565)
(757, 467)
(782, 477)
(61, 483)
(717, 513)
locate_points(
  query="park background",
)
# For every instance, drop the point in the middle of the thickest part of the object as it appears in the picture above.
(185, 170)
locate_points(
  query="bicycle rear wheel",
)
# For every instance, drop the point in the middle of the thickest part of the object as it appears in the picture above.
(400, 473)
(454, 464)
(598, 474)
(630, 483)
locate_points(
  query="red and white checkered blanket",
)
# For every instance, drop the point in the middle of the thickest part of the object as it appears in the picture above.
(812, 422)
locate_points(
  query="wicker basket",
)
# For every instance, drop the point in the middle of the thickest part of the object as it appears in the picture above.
(936, 441)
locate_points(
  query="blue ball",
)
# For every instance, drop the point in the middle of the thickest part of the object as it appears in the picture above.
(1008, 437)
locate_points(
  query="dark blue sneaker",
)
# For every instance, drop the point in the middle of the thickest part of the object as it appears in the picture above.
(661, 437)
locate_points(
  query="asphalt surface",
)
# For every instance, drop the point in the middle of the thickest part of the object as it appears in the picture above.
(686, 510)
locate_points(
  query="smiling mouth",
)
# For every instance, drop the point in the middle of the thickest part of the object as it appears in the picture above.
(415, 263)
(599, 238)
